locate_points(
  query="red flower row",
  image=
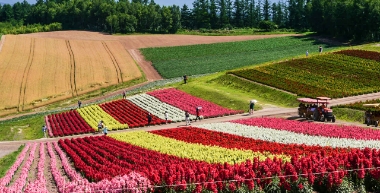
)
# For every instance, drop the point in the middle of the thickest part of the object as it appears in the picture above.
(127, 112)
(103, 157)
(189, 103)
(214, 138)
(68, 123)
(371, 55)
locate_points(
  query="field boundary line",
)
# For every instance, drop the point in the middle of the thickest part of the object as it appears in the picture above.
(72, 69)
(115, 64)
(21, 99)
(263, 84)
(2, 40)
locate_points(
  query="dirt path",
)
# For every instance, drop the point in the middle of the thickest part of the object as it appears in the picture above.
(150, 73)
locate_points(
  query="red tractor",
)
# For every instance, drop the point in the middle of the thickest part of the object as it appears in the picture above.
(316, 109)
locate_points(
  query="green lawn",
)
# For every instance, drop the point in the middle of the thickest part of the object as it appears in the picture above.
(234, 93)
(25, 128)
(207, 58)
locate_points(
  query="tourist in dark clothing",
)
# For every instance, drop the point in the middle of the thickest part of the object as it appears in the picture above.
(149, 119)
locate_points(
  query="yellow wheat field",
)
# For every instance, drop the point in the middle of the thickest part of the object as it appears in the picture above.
(36, 71)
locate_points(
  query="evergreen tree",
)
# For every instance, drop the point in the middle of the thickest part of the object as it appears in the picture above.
(266, 10)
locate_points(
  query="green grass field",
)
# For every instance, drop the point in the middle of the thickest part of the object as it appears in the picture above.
(24, 128)
(207, 58)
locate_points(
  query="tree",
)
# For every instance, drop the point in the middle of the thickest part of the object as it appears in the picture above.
(213, 15)
(167, 20)
(186, 17)
(238, 13)
(266, 10)
(176, 19)
(223, 18)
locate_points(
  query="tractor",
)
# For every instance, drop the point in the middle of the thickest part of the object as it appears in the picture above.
(372, 117)
(314, 111)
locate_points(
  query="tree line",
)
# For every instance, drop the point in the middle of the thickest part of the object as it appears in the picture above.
(349, 19)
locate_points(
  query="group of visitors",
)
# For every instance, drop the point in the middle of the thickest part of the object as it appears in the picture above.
(102, 128)
(320, 49)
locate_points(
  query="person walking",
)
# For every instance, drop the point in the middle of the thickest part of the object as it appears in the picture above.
(149, 119)
(185, 78)
(79, 104)
(187, 118)
(320, 49)
(124, 95)
(197, 110)
(44, 130)
(307, 53)
(100, 126)
(166, 116)
(105, 130)
(251, 107)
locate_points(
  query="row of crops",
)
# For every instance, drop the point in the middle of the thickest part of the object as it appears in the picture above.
(208, 58)
(340, 74)
(133, 112)
(249, 155)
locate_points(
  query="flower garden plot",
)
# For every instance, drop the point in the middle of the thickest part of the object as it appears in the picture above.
(313, 129)
(333, 75)
(93, 114)
(127, 112)
(231, 141)
(204, 159)
(158, 108)
(67, 123)
(65, 177)
(371, 55)
(188, 103)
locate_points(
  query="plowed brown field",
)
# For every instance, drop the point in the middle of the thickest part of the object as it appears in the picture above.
(36, 71)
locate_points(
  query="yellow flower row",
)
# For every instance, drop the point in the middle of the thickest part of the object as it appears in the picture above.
(93, 114)
(210, 154)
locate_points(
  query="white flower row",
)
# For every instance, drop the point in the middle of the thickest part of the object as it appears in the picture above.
(158, 108)
(287, 137)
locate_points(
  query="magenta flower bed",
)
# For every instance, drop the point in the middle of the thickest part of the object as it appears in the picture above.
(316, 129)
(67, 123)
(188, 103)
(127, 112)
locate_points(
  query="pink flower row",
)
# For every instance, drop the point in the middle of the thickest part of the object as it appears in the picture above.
(40, 184)
(80, 184)
(19, 183)
(315, 129)
(189, 103)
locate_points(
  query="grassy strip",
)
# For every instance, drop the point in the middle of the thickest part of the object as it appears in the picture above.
(7, 161)
(233, 32)
(261, 93)
(350, 115)
(27, 128)
(234, 93)
(208, 58)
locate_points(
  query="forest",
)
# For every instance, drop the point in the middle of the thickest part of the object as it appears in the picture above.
(347, 19)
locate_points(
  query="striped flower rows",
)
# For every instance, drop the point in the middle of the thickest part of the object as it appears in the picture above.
(133, 112)
(218, 157)
(93, 114)
(171, 158)
(157, 108)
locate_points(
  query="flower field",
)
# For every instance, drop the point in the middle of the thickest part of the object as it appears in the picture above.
(188, 103)
(248, 155)
(127, 112)
(132, 112)
(334, 75)
(67, 123)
